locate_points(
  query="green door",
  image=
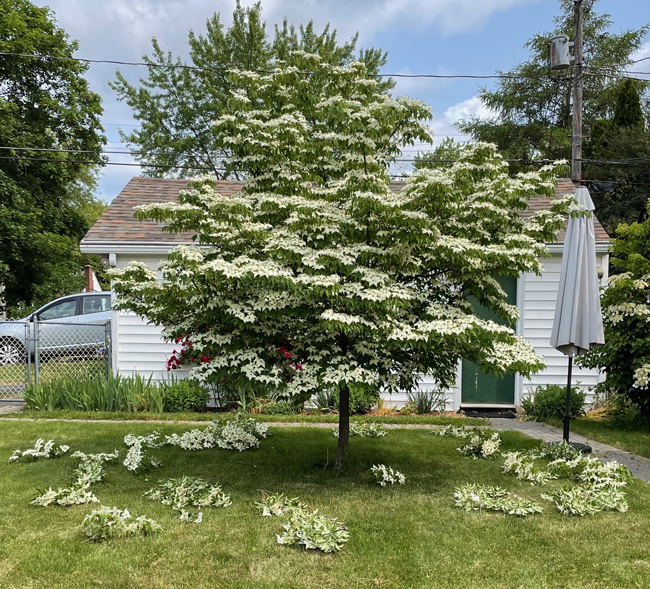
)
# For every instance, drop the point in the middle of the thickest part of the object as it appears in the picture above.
(478, 387)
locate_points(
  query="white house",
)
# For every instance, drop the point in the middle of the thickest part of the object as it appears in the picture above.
(137, 346)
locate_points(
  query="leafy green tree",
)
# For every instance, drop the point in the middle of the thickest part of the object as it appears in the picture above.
(44, 206)
(176, 107)
(625, 357)
(624, 138)
(533, 109)
(317, 275)
(442, 157)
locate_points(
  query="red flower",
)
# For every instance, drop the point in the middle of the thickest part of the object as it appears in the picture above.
(298, 367)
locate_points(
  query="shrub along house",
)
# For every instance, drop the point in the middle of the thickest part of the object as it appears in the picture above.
(138, 347)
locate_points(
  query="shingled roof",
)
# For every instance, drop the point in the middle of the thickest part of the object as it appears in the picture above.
(117, 226)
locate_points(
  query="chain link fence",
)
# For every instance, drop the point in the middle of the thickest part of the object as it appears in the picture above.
(37, 352)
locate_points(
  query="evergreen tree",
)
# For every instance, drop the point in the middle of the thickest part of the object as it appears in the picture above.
(533, 105)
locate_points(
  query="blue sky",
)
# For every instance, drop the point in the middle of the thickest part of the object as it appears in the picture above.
(421, 36)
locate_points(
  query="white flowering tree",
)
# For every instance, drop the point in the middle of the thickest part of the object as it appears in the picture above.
(321, 273)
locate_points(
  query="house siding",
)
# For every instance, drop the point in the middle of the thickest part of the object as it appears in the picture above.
(139, 348)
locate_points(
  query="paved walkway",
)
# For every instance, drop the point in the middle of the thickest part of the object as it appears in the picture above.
(639, 466)
(11, 406)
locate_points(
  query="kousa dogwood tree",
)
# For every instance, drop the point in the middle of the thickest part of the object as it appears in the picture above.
(321, 273)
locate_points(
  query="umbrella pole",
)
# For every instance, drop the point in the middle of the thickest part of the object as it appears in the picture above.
(567, 409)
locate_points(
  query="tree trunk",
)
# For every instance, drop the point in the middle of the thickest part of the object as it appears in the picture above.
(344, 426)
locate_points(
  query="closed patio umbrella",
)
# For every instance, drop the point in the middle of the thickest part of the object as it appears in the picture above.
(578, 322)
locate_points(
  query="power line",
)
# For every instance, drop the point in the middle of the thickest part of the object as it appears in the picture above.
(151, 64)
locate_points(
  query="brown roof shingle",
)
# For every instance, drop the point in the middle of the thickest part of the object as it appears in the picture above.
(117, 225)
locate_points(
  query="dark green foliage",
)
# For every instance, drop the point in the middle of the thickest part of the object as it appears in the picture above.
(176, 107)
(628, 111)
(625, 303)
(623, 138)
(45, 208)
(185, 396)
(362, 398)
(425, 402)
(112, 393)
(550, 401)
(533, 113)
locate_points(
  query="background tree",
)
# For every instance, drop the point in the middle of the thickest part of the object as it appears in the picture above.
(45, 207)
(317, 275)
(532, 108)
(442, 157)
(623, 138)
(625, 357)
(176, 107)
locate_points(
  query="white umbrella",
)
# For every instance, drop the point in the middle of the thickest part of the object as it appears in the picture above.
(578, 322)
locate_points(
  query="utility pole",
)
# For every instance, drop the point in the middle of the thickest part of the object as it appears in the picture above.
(576, 139)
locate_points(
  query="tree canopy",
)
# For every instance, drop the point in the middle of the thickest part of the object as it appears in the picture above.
(45, 206)
(532, 106)
(176, 107)
(318, 274)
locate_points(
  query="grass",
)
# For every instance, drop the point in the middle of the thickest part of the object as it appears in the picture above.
(56, 368)
(406, 537)
(631, 440)
(209, 416)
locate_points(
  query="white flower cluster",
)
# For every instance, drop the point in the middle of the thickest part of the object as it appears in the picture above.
(136, 459)
(241, 433)
(188, 492)
(310, 529)
(522, 465)
(89, 471)
(41, 449)
(480, 445)
(472, 497)
(364, 429)
(385, 475)
(111, 522)
(642, 377)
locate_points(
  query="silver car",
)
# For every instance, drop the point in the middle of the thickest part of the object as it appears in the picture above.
(74, 323)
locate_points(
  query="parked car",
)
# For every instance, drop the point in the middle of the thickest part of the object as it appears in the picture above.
(70, 324)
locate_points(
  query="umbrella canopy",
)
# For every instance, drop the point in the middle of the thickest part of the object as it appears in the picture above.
(578, 322)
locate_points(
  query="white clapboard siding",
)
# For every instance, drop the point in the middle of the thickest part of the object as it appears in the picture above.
(138, 347)
(537, 311)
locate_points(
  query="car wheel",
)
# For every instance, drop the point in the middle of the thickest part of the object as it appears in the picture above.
(11, 351)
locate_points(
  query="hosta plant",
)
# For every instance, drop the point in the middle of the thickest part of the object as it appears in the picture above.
(111, 522)
(274, 504)
(481, 445)
(41, 449)
(472, 497)
(584, 500)
(385, 475)
(523, 467)
(314, 531)
(137, 460)
(186, 492)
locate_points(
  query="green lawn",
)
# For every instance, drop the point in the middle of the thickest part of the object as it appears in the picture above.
(410, 536)
(56, 368)
(632, 440)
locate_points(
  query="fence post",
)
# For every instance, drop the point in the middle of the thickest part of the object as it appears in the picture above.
(36, 350)
(108, 347)
(28, 350)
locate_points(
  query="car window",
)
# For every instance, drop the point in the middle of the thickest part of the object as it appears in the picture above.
(60, 310)
(96, 304)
